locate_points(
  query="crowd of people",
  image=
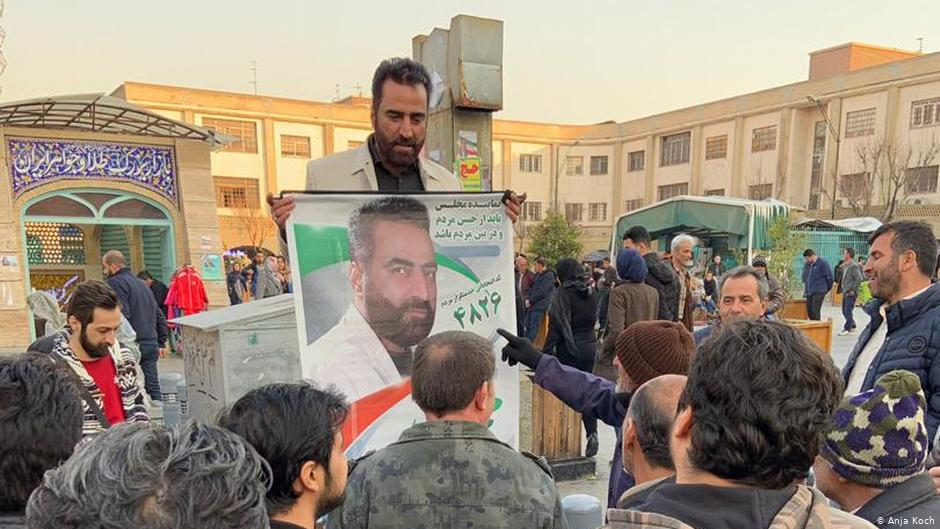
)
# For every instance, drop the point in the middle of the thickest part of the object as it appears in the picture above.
(742, 422)
(265, 276)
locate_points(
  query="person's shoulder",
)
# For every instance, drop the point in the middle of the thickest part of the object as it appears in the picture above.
(529, 459)
(439, 172)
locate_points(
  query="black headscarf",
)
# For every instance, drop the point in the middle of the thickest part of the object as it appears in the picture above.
(573, 283)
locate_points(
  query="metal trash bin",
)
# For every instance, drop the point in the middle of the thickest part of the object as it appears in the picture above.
(582, 511)
(169, 382)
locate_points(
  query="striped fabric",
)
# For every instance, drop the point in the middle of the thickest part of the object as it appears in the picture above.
(125, 377)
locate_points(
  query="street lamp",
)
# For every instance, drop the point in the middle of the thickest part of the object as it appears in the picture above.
(835, 135)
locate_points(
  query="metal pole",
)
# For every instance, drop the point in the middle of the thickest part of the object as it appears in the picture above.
(835, 136)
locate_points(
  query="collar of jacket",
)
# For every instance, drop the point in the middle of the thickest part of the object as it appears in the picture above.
(366, 164)
(632, 492)
(447, 430)
(807, 509)
(902, 312)
(899, 498)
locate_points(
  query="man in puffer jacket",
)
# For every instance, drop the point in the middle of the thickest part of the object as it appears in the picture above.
(904, 331)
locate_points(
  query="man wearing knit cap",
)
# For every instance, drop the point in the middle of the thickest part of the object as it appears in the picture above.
(644, 350)
(872, 459)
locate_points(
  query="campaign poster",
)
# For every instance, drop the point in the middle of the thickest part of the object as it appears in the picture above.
(376, 274)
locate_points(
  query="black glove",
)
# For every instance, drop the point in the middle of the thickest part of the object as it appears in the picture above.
(519, 350)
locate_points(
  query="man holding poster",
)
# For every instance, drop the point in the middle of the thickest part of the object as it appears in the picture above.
(393, 276)
(379, 273)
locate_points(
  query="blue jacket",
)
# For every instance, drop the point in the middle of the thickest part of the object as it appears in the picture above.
(540, 293)
(140, 308)
(817, 277)
(594, 396)
(912, 344)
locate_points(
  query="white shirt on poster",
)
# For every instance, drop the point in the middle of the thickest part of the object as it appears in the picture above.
(351, 357)
(868, 354)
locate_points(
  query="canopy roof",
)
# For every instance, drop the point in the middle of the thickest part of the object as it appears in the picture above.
(707, 217)
(856, 224)
(101, 113)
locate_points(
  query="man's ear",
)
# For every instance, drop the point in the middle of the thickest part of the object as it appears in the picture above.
(908, 260)
(682, 426)
(481, 396)
(629, 434)
(355, 277)
(308, 479)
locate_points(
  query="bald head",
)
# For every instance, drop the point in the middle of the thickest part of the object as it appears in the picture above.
(650, 415)
(112, 262)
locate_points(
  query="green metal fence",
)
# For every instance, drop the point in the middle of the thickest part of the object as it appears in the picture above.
(830, 245)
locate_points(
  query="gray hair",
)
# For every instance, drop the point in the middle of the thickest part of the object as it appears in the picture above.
(448, 369)
(114, 257)
(763, 287)
(144, 475)
(682, 238)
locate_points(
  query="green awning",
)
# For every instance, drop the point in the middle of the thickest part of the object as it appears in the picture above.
(706, 217)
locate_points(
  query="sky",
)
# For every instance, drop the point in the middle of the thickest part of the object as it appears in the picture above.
(575, 61)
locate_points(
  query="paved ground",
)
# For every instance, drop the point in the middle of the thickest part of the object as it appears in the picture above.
(597, 485)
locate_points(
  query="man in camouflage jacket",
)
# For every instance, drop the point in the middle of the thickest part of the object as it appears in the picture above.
(451, 470)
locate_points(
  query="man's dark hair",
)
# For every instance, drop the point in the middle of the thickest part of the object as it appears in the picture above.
(288, 425)
(89, 296)
(850, 251)
(606, 260)
(638, 235)
(140, 474)
(448, 369)
(390, 208)
(808, 252)
(915, 236)
(653, 425)
(402, 71)
(761, 395)
(541, 261)
(144, 275)
(41, 419)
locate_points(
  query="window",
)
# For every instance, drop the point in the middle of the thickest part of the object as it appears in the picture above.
(860, 123)
(635, 203)
(353, 144)
(672, 190)
(574, 212)
(236, 192)
(532, 211)
(715, 192)
(598, 165)
(597, 212)
(716, 147)
(854, 186)
(295, 146)
(245, 131)
(925, 113)
(819, 154)
(54, 243)
(636, 161)
(530, 163)
(760, 191)
(675, 149)
(574, 165)
(921, 179)
(764, 139)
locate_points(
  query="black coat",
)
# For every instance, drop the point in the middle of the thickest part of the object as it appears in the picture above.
(583, 320)
(160, 292)
(914, 498)
(661, 277)
(140, 308)
(540, 293)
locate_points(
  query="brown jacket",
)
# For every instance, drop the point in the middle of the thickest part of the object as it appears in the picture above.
(629, 303)
(807, 509)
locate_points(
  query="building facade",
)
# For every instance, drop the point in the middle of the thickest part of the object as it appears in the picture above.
(859, 136)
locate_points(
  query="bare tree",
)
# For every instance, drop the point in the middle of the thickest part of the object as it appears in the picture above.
(890, 172)
(252, 221)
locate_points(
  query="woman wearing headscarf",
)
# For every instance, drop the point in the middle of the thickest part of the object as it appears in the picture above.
(631, 300)
(572, 315)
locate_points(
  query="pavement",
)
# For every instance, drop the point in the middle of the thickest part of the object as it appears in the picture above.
(597, 485)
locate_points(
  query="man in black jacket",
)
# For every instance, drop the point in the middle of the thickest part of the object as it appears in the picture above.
(660, 275)
(540, 295)
(140, 308)
(159, 289)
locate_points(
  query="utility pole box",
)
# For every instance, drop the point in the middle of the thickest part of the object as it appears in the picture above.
(466, 67)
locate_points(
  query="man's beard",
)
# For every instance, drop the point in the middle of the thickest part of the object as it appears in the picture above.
(100, 350)
(393, 324)
(887, 281)
(327, 504)
(387, 148)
